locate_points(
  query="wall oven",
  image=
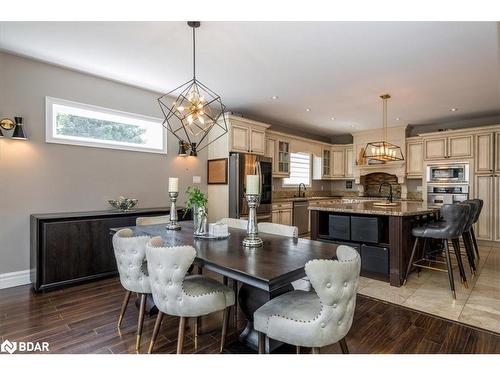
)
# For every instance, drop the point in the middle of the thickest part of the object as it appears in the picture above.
(447, 194)
(448, 173)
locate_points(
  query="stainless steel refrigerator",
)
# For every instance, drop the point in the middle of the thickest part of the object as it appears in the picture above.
(241, 165)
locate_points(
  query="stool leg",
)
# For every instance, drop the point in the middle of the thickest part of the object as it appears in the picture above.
(195, 333)
(124, 307)
(450, 269)
(180, 334)
(262, 343)
(225, 321)
(415, 245)
(473, 235)
(456, 247)
(470, 252)
(297, 350)
(315, 350)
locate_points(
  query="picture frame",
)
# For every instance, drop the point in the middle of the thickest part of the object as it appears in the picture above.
(217, 170)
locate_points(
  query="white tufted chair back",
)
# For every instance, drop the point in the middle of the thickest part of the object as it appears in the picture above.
(278, 229)
(336, 283)
(234, 223)
(130, 254)
(152, 220)
(167, 268)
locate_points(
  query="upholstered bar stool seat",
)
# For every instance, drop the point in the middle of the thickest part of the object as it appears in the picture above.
(320, 317)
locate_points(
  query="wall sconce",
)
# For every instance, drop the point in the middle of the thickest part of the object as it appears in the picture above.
(183, 147)
(17, 125)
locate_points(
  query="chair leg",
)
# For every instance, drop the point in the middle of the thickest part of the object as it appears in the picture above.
(315, 350)
(450, 269)
(262, 343)
(155, 331)
(343, 346)
(124, 307)
(180, 334)
(297, 349)
(413, 251)
(456, 247)
(225, 322)
(140, 321)
(195, 332)
(470, 252)
(474, 241)
(200, 270)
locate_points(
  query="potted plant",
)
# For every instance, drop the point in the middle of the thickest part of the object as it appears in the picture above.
(196, 201)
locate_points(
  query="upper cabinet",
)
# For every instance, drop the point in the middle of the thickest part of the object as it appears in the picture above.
(414, 158)
(327, 163)
(279, 151)
(446, 147)
(335, 163)
(484, 153)
(247, 136)
(338, 163)
(349, 161)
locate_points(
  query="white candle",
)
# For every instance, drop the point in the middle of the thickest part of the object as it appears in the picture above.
(173, 185)
(253, 184)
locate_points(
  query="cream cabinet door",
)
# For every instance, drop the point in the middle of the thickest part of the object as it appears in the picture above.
(349, 162)
(496, 218)
(272, 151)
(484, 153)
(435, 148)
(240, 138)
(275, 217)
(460, 146)
(338, 164)
(414, 159)
(257, 141)
(483, 189)
(286, 217)
(497, 152)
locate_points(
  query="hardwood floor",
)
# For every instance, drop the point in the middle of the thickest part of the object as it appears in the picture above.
(82, 319)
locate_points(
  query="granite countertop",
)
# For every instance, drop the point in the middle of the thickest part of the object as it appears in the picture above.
(403, 208)
(303, 199)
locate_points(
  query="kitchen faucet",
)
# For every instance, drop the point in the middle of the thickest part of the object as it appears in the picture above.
(300, 185)
(390, 189)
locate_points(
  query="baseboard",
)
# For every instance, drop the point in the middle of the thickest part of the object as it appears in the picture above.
(8, 280)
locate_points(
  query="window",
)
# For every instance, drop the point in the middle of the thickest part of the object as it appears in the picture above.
(300, 170)
(87, 125)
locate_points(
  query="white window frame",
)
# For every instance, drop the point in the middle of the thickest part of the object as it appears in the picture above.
(52, 137)
(285, 185)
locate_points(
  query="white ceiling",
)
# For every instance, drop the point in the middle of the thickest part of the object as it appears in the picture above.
(334, 68)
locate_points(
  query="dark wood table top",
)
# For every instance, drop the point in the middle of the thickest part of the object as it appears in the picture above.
(278, 262)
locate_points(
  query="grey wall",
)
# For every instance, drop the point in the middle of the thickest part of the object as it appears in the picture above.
(37, 177)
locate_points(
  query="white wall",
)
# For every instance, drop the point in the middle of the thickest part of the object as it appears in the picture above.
(37, 177)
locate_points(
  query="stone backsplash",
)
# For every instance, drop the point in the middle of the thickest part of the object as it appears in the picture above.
(371, 183)
(280, 194)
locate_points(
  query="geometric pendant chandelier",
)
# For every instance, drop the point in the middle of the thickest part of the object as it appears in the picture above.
(195, 111)
(383, 151)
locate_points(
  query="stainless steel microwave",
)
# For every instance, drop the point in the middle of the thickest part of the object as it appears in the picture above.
(446, 173)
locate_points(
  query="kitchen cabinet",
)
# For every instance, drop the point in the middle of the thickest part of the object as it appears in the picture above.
(338, 163)
(496, 217)
(484, 188)
(414, 159)
(282, 213)
(246, 136)
(279, 151)
(484, 153)
(349, 162)
(272, 152)
(497, 153)
(326, 160)
(446, 147)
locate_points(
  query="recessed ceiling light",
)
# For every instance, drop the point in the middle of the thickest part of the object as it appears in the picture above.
(397, 119)
(453, 109)
(352, 126)
(332, 118)
(308, 109)
(275, 97)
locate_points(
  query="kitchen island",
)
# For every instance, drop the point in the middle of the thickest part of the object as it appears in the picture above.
(380, 231)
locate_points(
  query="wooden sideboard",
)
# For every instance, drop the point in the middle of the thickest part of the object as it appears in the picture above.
(74, 247)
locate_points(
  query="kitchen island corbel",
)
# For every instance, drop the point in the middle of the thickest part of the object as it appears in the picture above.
(382, 234)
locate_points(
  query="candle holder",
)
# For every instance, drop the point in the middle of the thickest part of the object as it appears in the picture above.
(252, 239)
(173, 225)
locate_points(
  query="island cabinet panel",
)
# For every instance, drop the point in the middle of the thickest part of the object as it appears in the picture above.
(75, 247)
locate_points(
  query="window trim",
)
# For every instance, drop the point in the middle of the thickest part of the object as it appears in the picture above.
(50, 137)
(294, 186)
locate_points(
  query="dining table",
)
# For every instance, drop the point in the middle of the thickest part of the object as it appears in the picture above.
(263, 273)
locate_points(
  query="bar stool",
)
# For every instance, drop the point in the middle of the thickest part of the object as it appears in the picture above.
(475, 207)
(480, 203)
(451, 228)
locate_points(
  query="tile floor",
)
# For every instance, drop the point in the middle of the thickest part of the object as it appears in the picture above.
(479, 305)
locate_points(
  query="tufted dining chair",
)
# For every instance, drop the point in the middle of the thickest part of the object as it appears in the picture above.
(130, 254)
(234, 223)
(152, 220)
(317, 318)
(177, 294)
(286, 231)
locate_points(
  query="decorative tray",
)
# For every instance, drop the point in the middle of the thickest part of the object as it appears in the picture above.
(209, 237)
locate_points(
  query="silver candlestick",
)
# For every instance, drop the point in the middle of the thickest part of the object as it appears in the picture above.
(252, 239)
(173, 225)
